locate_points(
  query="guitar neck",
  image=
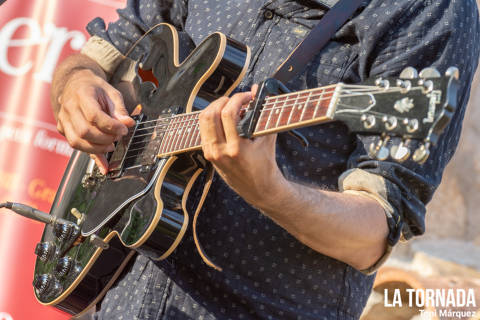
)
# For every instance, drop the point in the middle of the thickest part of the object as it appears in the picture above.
(279, 113)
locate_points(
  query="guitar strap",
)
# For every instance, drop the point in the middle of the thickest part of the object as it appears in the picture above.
(316, 39)
(298, 59)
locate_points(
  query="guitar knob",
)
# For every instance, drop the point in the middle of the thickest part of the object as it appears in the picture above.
(47, 286)
(409, 73)
(65, 231)
(400, 152)
(45, 250)
(64, 266)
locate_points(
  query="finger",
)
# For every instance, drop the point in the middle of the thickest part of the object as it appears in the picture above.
(93, 112)
(230, 115)
(81, 144)
(254, 90)
(101, 162)
(210, 123)
(88, 132)
(116, 107)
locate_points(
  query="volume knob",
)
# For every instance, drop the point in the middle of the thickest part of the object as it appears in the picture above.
(45, 250)
(65, 231)
(64, 266)
(47, 286)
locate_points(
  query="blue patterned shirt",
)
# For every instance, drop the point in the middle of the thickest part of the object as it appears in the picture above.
(268, 274)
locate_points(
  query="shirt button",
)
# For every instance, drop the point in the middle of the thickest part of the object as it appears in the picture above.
(268, 14)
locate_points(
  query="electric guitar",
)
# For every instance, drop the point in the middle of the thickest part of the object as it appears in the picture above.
(99, 221)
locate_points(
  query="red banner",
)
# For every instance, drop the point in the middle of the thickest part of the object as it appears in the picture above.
(34, 36)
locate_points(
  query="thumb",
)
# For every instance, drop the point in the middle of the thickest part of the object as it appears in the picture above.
(117, 108)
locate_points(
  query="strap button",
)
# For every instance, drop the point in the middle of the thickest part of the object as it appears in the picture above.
(268, 14)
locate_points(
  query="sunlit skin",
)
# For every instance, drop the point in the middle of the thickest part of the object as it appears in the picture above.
(353, 229)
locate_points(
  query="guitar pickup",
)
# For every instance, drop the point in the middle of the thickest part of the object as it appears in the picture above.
(117, 158)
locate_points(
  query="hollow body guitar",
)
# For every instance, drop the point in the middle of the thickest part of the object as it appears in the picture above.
(140, 204)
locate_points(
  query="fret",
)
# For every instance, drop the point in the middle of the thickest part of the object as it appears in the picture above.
(297, 111)
(292, 109)
(165, 136)
(172, 134)
(192, 137)
(325, 101)
(264, 115)
(197, 133)
(282, 108)
(282, 111)
(273, 112)
(305, 107)
(186, 131)
(178, 133)
(318, 103)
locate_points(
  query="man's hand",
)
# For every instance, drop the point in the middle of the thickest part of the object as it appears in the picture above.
(92, 115)
(247, 166)
(346, 227)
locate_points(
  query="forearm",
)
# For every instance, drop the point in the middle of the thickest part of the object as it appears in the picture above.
(347, 227)
(65, 70)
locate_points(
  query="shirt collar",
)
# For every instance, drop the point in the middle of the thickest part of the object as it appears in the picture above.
(330, 3)
(327, 3)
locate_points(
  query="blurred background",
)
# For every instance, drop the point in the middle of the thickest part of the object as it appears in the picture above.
(36, 35)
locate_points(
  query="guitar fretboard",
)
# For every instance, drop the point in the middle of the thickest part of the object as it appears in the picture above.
(279, 113)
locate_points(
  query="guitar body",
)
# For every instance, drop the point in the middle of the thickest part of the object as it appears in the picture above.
(140, 205)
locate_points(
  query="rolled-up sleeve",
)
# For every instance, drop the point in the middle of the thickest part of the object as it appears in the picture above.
(435, 34)
(109, 46)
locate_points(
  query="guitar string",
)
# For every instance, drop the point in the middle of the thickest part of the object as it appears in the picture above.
(189, 136)
(184, 128)
(179, 125)
(168, 121)
(267, 99)
(265, 104)
(358, 88)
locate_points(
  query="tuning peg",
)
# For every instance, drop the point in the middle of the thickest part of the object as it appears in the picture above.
(426, 84)
(382, 83)
(400, 152)
(379, 150)
(430, 73)
(409, 73)
(422, 153)
(453, 72)
(368, 121)
(412, 125)
(405, 85)
(390, 122)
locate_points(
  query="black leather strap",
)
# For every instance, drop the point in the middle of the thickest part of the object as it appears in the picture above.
(316, 39)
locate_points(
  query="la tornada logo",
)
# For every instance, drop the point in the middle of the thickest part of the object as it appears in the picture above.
(442, 302)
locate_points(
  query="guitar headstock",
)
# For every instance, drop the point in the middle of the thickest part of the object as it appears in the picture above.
(414, 106)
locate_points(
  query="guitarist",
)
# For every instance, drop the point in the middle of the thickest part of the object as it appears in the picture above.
(299, 232)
